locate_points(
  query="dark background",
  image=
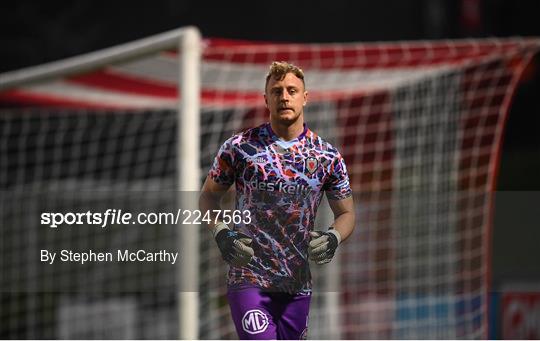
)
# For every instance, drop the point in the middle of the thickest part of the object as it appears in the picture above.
(34, 32)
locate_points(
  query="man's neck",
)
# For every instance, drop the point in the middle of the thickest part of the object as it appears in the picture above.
(288, 132)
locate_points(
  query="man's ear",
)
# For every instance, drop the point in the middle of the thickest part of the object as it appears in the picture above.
(305, 97)
(265, 101)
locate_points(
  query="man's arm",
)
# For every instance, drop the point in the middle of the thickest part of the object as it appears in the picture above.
(210, 199)
(344, 216)
(323, 244)
(234, 246)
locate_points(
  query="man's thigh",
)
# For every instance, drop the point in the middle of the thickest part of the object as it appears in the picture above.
(292, 323)
(264, 315)
(250, 310)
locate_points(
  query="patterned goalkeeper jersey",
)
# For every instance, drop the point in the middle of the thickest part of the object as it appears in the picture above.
(281, 184)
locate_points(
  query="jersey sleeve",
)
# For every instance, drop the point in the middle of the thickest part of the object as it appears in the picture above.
(222, 170)
(337, 186)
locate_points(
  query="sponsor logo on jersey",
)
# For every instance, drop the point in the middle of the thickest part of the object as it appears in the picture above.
(311, 164)
(280, 187)
(254, 321)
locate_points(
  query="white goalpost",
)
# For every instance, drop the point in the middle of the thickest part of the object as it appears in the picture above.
(187, 41)
(189, 179)
(135, 127)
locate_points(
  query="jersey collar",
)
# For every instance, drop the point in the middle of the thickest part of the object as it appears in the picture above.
(277, 138)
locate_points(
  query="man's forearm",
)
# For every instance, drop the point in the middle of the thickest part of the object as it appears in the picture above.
(210, 202)
(344, 217)
(344, 224)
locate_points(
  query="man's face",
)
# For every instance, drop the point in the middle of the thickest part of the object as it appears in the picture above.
(285, 99)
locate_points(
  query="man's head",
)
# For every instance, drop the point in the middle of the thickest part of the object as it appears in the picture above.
(285, 92)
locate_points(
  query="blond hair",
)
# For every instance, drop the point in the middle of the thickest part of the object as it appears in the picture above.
(279, 70)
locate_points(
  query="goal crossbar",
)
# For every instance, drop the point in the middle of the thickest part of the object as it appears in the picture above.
(97, 59)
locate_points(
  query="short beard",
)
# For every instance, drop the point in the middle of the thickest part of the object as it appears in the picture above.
(286, 122)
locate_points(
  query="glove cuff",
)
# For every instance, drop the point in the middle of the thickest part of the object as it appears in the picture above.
(335, 233)
(218, 228)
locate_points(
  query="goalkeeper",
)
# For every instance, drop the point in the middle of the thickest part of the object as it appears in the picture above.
(280, 170)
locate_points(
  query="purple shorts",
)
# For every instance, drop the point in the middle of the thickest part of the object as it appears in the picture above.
(263, 315)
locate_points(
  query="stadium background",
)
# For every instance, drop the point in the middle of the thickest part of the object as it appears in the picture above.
(33, 33)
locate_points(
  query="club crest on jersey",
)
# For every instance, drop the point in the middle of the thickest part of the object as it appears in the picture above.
(311, 164)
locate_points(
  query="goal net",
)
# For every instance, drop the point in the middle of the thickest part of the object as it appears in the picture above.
(418, 123)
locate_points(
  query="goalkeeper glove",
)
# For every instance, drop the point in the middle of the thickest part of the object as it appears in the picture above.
(234, 246)
(323, 245)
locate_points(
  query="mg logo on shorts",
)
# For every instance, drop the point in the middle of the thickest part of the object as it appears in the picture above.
(254, 321)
